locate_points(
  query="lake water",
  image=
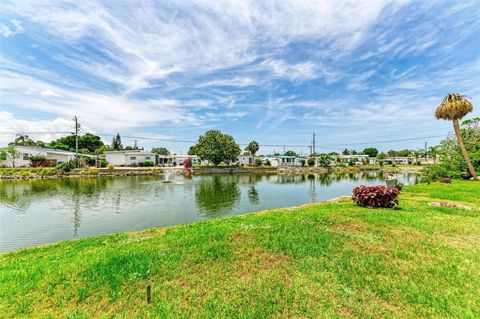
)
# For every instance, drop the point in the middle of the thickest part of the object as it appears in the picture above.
(34, 212)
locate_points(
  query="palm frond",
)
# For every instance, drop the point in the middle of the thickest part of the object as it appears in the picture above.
(453, 107)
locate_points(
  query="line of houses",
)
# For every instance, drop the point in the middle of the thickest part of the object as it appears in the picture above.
(139, 157)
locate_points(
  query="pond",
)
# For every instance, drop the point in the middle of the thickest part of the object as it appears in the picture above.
(35, 212)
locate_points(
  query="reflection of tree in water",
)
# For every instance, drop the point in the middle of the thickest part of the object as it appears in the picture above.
(253, 195)
(217, 195)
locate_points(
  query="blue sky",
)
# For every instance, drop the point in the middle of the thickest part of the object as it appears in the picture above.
(351, 71)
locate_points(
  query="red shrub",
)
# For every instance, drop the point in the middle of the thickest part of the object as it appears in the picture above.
(375, 196)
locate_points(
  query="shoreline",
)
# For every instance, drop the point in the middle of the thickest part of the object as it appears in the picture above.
(50, 173)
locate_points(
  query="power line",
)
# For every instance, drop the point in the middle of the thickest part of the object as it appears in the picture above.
(331, 146)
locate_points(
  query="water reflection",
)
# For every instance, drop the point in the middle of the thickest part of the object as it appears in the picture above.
(217, 195)
(43, 211)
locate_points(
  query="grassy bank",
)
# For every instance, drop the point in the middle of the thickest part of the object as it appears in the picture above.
(328, 260)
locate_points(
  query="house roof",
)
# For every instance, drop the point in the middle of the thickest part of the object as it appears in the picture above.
(48, 150)
(129, 152)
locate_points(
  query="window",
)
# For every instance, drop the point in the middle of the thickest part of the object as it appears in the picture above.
(26, 156)
(133, 158)
(147, 158)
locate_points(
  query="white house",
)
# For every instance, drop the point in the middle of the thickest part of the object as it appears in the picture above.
(135, 157)
(357, 159)
(23, 160)
(128, 158)
(245, 159)
(284, 160)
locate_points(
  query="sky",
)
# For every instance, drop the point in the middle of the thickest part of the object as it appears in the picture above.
(357, 73)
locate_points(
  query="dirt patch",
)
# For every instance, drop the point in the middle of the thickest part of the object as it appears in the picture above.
(450, 205)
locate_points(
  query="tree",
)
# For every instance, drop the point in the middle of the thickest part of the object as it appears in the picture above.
(252, 148)
(3, 154)
(415, 154)
(381, 156)
(324, 160)
(370, 151)
(87, 143)
(346, 152)
(217, 147)
(117, 143)
(41, 144)
(23, 140)
(13, 154)
(290, 153)
(433, 152)
(454, 107)
(161, 151)
(192, 150)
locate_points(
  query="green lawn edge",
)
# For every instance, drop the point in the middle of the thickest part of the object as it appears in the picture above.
(326, 260)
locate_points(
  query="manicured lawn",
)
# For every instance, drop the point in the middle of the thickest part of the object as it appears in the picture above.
(328, 260)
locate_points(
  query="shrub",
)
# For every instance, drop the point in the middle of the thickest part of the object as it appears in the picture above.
(311, 161)
(103, 163)
(110, 166)
(148, 164)
(302, 162)
(380, 162)
(267, 163)
(258, 161)
(65, 166)
(375, 196)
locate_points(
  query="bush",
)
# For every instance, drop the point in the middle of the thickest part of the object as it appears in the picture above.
(103, 163)
(267, 163)
(258, 161)
(375, 196)
(148, 164)
(302, 162)
(66, 166)
(380, 162)
(110, 166)
(311, 161)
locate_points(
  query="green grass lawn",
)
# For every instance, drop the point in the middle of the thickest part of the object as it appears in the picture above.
(332, 260)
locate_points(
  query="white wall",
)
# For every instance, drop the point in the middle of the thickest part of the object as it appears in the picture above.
(117, 159)
(60, 158)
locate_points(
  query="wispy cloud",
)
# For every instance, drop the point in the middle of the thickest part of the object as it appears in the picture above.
(253, 68)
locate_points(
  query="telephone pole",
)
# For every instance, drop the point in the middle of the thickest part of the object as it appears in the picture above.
(313, 145)
(135, 144)
(426, 149)
(77, 128)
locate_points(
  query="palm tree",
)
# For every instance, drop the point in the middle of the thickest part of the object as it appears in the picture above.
(453, 108)
(252, 147)
(23, 140)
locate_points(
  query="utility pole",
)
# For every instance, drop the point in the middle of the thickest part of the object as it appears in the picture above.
(284, 150)
(426, 149)
(77, 128)
(135, 144)
(313, 143)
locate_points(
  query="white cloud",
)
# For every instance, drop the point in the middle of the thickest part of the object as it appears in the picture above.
(12, 126)
(49, 92)
(7, 32)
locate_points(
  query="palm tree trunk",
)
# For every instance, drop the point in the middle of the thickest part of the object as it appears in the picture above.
(456, 127)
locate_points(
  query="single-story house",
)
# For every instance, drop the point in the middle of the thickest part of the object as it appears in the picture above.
(400, 160)
(284, 160)
(135, 157)
(358, 159)
(246, 159)
(59, 156)
(175, 160)
(128, 158)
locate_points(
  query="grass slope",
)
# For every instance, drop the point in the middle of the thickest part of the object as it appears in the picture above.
(332, 260)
